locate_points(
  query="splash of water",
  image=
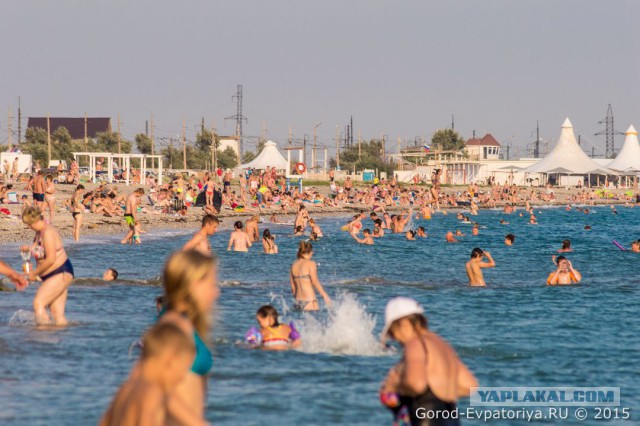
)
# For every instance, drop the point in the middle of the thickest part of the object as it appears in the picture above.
(22, 318)
(347, 330)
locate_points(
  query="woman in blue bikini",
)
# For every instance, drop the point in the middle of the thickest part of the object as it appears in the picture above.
(190, 292)
(52, 266)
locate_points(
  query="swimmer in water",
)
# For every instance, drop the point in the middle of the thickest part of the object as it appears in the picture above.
(509, 239)
(503, 222)
(635, 246)
(475, 230)
(167, 355)
(276, 336)
(269, 242)
(200, 241)
(450, 238)
(368, 238)
(475, 265)
(110, 275)
(304, 280)
(315, 228)
(459, 233)
(564, 274)
(532, 220)
(421, 232)
(566, 247)
(410, 235)
(378, 230)
(239, 240)
(430, 377)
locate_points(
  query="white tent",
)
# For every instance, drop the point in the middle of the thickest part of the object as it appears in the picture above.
(568, 156)
(268, 157)
(628, 159)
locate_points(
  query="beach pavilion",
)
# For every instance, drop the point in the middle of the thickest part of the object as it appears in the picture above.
(108, 158)
(568, 158)
(268, 157)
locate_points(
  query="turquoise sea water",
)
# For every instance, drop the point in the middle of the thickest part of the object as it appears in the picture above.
(516, 332)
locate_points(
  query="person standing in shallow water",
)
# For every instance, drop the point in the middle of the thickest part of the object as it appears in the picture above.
(52, 266)
(430, 377)
(475, 265)
(304, 280)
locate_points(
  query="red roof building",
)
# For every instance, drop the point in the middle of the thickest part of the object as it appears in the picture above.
(487, 148)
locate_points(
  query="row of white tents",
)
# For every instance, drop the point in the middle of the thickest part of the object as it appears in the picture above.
(567, 157)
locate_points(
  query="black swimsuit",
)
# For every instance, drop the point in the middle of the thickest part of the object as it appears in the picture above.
(426, 402)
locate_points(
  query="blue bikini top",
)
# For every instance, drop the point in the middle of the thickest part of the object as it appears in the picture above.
(203, 361)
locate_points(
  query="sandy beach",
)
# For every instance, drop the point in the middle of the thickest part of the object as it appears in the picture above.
(13, 230)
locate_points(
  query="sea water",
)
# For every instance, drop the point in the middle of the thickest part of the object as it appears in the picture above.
(515, 332)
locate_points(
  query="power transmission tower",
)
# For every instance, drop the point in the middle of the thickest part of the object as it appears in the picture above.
(536, 146)
(609, 133)
(239, 119)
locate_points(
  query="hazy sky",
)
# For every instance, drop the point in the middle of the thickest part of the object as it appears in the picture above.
(401, 68)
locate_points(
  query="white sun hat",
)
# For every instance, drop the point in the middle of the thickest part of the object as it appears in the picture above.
(399, 307)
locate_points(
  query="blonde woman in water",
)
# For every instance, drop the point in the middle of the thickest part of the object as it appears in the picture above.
(52, 267)
(304, 280)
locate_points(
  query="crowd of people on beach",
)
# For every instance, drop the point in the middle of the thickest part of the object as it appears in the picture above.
(170, 379)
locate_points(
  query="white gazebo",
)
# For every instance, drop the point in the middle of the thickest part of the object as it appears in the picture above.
(628, 159)
(126, 160)
(567, 157)
(268, 157)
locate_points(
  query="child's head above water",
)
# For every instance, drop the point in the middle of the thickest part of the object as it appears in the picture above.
(267, 316)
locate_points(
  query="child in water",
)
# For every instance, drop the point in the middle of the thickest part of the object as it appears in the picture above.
(167, 356)
(272, 336)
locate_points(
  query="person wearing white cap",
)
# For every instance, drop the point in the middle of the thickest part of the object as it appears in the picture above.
(430, 376)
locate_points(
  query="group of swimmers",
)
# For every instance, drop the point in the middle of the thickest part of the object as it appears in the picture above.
(169, 380)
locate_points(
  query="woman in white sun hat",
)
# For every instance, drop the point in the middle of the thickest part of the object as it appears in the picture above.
(430, 377)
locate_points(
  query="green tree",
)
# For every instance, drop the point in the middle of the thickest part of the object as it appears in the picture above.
(35, 143)
(108, 142)
(227, 159)
(173, 157)
(370, 157)
(143, 143)
(248, 156)
(447, 140)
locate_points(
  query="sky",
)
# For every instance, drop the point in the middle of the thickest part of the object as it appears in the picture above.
(400, 68)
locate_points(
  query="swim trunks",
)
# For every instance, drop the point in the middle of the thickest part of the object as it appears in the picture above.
(129, 219)
(38, 197)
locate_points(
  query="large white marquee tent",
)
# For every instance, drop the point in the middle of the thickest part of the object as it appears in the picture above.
(628, 159)
(568, 158)
(268, 157)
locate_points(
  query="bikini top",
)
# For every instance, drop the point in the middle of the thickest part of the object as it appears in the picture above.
(203, 361)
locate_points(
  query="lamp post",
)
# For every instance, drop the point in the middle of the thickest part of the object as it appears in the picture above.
(315, 141)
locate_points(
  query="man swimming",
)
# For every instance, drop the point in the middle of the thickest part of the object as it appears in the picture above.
(200, 241)
(509, 239)
(475, 265)
(564, 274)
(239, 239)
(368, 238)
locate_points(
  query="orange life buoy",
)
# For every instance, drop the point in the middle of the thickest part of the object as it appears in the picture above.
(301, 168)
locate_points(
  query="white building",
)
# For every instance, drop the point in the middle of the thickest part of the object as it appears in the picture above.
(486, 148)
(229, 142)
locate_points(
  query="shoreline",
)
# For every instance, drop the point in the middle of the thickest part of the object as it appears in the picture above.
(12, 230)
